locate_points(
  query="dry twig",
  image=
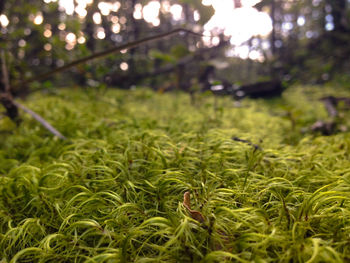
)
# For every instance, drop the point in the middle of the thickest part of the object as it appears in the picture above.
(12, 106)
(42, 121)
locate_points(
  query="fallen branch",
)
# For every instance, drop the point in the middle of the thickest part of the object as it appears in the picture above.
(12, 106)
(259, 90)
(40, 119)
(334, 125)
(331, 103)
(324, 127)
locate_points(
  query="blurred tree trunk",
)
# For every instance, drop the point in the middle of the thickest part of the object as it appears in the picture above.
(292, 41)
(2, 85)
(338, 12)
(133, 34)
(89, 29)
(160, 44)
(323, 18)
(273, 32)
(2, 5)
(50, 17)
(189, 20)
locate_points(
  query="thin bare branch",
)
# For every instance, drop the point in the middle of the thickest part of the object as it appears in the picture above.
(5, 74)
(106, 53)
(40, 119)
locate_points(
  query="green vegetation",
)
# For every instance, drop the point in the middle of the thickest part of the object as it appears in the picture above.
(114, 192)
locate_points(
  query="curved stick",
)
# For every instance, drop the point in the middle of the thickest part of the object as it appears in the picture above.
(108, 52)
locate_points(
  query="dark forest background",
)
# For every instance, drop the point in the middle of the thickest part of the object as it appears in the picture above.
(309, 43)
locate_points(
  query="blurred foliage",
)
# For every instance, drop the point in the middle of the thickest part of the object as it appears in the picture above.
(309, 41)
(41, 36)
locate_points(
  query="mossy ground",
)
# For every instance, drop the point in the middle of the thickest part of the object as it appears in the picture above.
(114, 192)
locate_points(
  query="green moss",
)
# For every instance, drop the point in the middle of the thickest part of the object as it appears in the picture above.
(113, 193)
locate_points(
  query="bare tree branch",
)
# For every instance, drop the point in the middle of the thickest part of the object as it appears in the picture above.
(12, 106)
(106, 53)
(40, 119)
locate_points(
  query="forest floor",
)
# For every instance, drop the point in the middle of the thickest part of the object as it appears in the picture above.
(263, 187)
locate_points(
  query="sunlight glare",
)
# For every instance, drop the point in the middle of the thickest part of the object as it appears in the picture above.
(69, 46)
(250, 3)
(166, 7)
(105, 8)
(254, 55)
(38, 18)
(206, 39)
(81, 40)
(124, 66)
(240, 23)
(301, 21)
(81, 11)
(71, 38)
(156, 22)
(116, 28)
(81, 3)
(241, 51)
(215, 41)
(47, 47)
(101, 33)
(138, 11)
(62, 26)
(151, 11)
(196, 16)
(67, 5)
(206, 2)
(115, 6)
(97, 18)
(4, 21)
(176, 11)
(47, 33)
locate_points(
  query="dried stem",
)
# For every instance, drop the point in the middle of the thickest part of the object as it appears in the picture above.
(196, 215)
